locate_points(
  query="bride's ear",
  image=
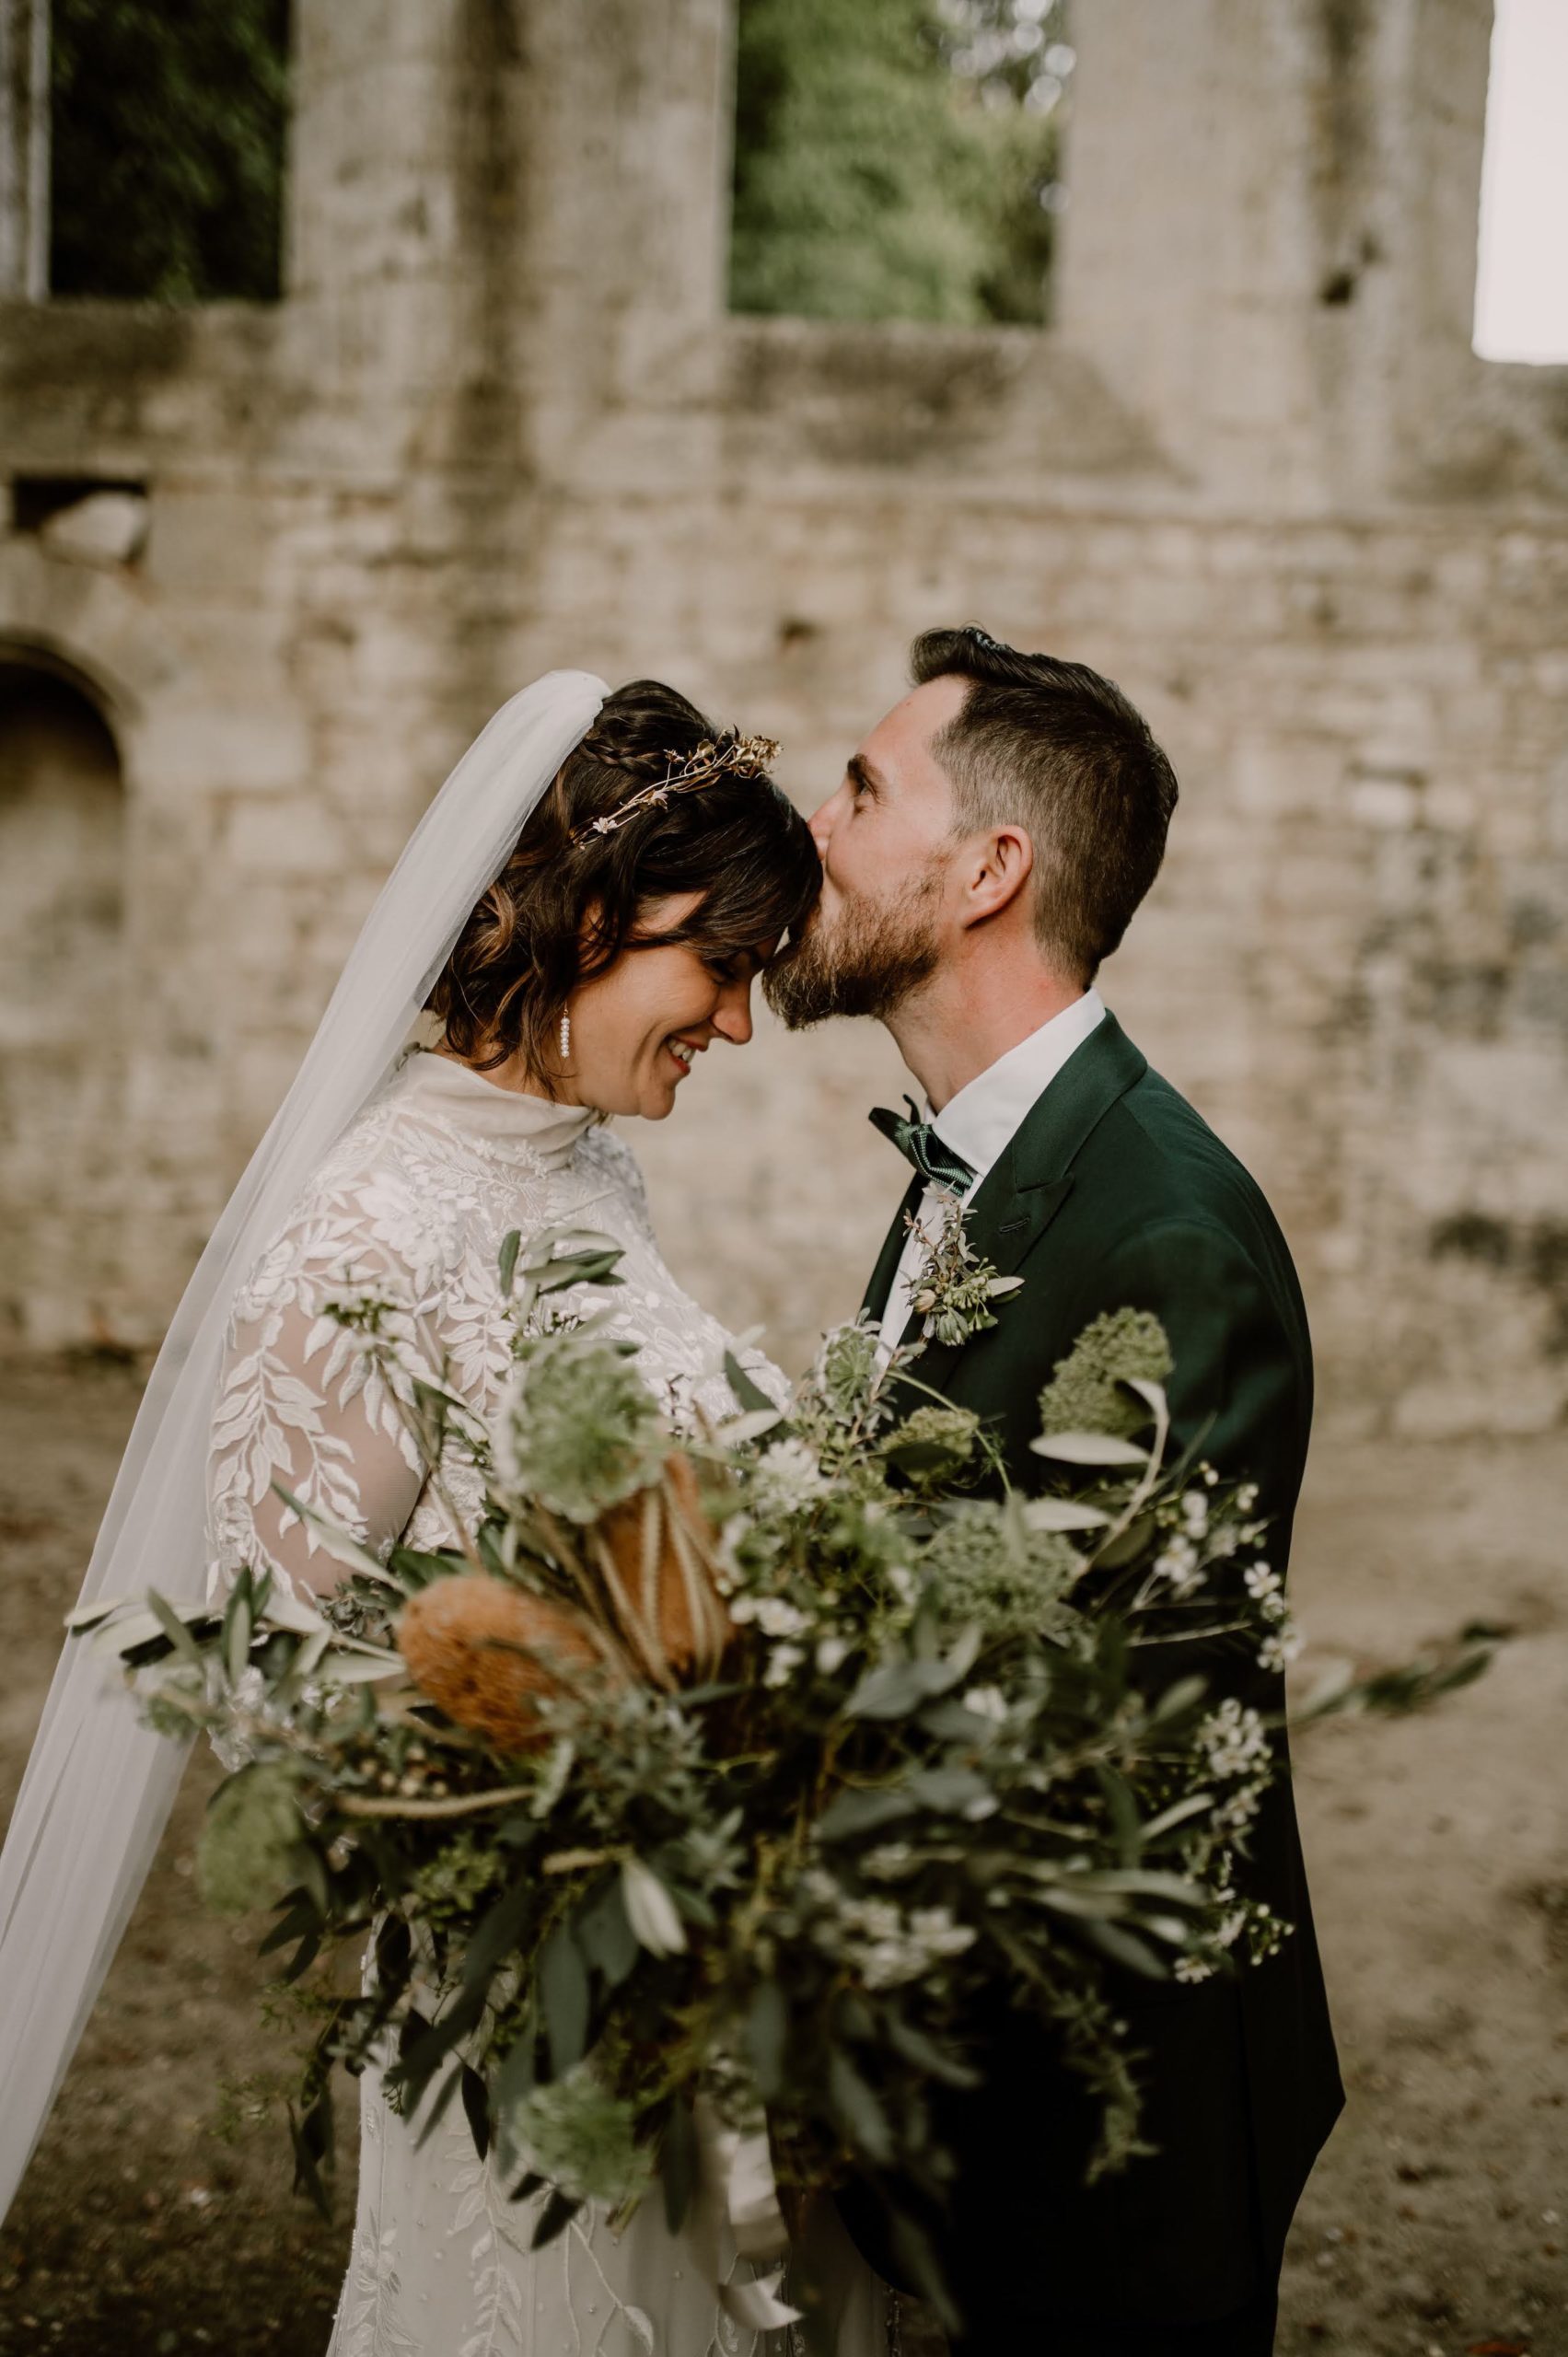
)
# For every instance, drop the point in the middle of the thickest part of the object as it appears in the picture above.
(594, 927)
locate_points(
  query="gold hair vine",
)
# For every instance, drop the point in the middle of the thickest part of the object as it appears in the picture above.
(739, 756)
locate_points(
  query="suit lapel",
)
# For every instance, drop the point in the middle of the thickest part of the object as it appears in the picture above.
(1022, 1193)
(881, 1284)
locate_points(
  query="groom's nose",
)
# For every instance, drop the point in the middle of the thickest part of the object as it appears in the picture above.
(824, 820)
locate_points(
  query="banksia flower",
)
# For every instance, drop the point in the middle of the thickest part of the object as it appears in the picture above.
(488, 1653)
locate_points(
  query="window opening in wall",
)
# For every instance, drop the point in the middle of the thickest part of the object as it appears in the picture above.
(898, 158)
(36, 498)
(1521, 309)
(168, 133)
(63, 998)
(24, 148)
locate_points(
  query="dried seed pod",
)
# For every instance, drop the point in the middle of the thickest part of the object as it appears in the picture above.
(656, 1557)
(487, 1653)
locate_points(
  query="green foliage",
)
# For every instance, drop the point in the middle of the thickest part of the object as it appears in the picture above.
(1016, 64)
(581, 2137)
(934, 1447)
(847, 1370)
(168, 131)
(954, 1286)
(871, 181)
(926, 1783)
(249, 1838)
(987, 1567)
(893, 159)
(1085, 1394)
(580, 1430)
(449, 1884)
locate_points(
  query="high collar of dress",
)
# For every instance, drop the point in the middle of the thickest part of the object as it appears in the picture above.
(466, 1102)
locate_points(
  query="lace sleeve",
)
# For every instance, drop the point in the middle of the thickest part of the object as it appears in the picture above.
(308, 1402)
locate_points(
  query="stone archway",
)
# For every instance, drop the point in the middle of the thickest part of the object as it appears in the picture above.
(63, 993)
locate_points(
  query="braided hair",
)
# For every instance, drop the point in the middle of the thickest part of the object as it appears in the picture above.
(562, 911)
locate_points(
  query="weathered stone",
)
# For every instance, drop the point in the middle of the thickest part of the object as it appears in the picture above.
(106, 527)
(501, 423)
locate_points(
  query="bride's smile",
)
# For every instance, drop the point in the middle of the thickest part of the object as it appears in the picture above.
(634, 1031)
(637, 1029)
(651, 889)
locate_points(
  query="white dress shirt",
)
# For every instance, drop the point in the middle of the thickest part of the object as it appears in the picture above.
(979, 1120)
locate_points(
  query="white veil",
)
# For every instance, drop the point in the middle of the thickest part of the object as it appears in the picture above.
(99, 1786)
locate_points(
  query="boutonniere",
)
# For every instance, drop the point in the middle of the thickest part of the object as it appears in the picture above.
(954, 1287)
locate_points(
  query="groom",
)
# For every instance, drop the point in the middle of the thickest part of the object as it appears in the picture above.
(991, 840)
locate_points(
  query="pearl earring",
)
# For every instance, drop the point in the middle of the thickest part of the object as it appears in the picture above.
(566, 1035)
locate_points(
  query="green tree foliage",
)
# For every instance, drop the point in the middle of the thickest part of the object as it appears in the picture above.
(894, 159)
(169, 126)
(891, 163)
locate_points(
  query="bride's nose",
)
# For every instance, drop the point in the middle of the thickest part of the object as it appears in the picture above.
(731, 1017)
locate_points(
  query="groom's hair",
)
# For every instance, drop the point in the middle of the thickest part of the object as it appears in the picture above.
(1057, 750)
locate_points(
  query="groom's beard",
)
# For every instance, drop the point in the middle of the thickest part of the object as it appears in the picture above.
(867, 961)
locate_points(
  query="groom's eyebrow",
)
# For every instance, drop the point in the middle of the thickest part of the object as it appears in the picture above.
(861, 770)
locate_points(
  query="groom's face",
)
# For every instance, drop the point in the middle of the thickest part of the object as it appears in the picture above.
(886, 843)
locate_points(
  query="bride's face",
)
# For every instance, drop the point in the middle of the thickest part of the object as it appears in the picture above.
(638, 1028)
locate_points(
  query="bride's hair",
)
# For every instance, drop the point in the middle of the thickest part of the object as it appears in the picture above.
(563, 907)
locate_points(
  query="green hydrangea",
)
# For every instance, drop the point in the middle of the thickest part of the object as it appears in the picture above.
(246, 1857)
(450, 1884)
(581, 2138)
(579, 1431)
(984, 1566)
(847, 1370)
(1086, 1395)
(934, 1447)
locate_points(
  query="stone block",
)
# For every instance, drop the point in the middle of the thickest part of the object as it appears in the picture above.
(295, 835)
(1447, 803)
(192, 749)
(1388, 803)
(210, 543)
(1274, 777)
(106, 527)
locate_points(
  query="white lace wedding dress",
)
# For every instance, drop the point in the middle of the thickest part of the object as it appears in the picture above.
(413, 1205)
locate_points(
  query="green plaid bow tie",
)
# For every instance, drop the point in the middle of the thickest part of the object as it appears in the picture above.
(917, 1141)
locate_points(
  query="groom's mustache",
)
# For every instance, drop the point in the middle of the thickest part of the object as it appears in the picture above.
(865, 959)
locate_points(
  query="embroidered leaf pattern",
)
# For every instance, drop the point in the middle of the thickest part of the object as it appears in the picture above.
(413, 1210)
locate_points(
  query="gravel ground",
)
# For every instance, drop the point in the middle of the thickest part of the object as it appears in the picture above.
(1437, 2223)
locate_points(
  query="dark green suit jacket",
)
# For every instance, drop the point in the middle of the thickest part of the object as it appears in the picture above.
(1114, 1192)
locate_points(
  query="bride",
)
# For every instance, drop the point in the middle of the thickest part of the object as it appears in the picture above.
(582, 912)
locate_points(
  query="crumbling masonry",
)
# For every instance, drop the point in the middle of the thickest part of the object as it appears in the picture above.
(267, 569)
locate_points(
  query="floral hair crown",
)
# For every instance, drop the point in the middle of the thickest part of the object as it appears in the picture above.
(739, 756)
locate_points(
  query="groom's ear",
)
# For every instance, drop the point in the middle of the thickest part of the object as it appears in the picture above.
(994, 871)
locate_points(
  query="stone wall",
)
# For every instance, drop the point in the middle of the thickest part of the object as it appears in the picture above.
(502, 423)
(61, 982)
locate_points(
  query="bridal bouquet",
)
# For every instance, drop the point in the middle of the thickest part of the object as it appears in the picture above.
(725, 1781)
